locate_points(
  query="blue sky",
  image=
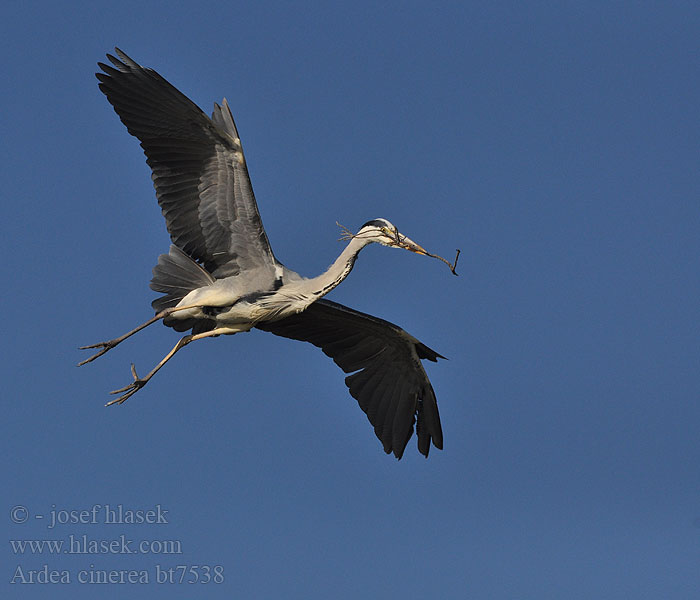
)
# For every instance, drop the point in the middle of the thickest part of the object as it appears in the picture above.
(556, 144)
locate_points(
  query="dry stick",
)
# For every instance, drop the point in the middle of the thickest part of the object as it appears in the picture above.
(452, 266)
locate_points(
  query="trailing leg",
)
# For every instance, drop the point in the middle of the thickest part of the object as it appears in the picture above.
(107, 346)
(129, 390)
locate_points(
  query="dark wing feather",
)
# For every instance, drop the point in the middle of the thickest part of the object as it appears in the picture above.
(199, 171)
(388, 379)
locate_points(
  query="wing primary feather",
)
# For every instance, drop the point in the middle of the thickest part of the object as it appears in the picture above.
(386, 376)
(199, 173)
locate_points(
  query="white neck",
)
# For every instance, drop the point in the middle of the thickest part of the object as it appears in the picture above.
(298, 295)
(338, 271)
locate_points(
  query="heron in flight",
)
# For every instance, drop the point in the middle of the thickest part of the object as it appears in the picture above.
(220, 276)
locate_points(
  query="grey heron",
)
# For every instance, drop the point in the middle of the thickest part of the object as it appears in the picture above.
(220, 276)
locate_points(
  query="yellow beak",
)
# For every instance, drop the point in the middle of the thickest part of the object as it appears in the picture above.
(409, 244)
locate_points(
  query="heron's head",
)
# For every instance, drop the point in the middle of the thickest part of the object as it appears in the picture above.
(386, 234)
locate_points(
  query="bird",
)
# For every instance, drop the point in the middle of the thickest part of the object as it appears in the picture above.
(220, 276)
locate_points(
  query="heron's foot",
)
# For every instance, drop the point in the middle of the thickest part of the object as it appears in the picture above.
(129, 390)
(106, 347)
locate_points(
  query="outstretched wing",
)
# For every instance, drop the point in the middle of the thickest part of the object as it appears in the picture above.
(199, 171)
(388, 379)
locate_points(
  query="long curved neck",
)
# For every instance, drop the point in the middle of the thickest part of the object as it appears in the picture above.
(339, 270)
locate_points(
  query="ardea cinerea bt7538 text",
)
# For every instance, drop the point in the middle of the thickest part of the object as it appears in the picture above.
(220, 276)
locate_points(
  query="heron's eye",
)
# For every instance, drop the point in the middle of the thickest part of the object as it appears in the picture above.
(393, 234)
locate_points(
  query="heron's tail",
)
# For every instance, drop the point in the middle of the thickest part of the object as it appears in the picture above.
(176, 275)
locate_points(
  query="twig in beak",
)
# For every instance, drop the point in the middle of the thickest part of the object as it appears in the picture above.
(453, 266)
(399, 240)
(346, 233)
